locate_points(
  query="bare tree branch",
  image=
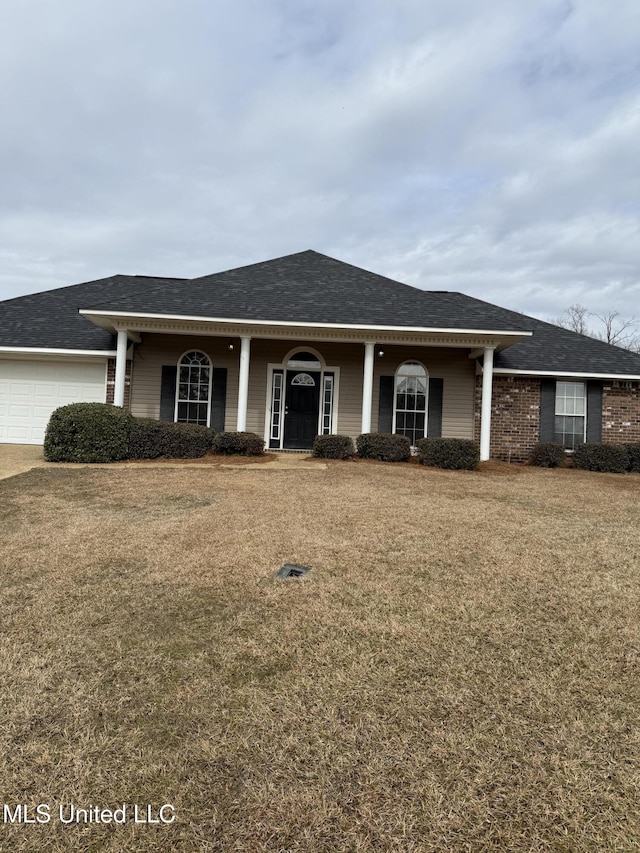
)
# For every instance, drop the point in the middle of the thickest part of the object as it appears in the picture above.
(615, 330)
(575, 319)
(620, 333)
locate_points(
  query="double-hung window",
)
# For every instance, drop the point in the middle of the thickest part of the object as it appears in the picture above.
(571, 410)
(410, 401)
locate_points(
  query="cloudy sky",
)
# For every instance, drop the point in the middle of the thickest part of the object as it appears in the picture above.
(491, 148)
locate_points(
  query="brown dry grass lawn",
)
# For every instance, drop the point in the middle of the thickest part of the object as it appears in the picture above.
(458, 672)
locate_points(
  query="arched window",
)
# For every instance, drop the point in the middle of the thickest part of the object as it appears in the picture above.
(410, 401)
(303, 379)
(193, 392)
(304, 360)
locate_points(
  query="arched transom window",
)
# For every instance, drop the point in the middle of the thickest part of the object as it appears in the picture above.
(303, 379)
(193, 392)
(410, 401)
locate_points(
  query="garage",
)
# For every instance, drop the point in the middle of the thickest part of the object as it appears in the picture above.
(30, 390)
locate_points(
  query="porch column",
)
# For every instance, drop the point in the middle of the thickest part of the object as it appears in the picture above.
(243, 383)
(121, 368)
(485, 418)
(367, 386)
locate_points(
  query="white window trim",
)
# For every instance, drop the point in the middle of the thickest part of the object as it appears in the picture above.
(175, 409)
(395, 395)
(557, 414)
(325, 368)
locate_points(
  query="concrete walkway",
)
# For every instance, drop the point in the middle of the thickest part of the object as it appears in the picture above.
(19, 458)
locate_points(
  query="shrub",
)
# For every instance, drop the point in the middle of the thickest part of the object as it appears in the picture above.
(152, 439)
(633, 452)
(241, 443)
(611, 458)
(333, 446)
(88, 432)
(383, 446)
(547, 454)
(452, 453)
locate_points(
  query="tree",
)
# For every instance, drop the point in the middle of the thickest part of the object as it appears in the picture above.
(614, 329)
(575, 320)
(621, 333)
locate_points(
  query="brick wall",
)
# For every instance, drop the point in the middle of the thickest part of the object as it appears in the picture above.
(515, 417)
(111, 382)
(620, 411)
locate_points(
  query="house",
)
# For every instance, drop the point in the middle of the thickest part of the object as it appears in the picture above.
(306, 344)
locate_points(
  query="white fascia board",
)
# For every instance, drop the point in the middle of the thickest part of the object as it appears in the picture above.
(64, 352)
(504, 371)
(300, 325)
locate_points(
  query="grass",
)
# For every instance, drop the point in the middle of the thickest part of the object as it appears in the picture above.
(458, 671)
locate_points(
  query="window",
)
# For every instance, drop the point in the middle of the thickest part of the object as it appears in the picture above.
(570, 414)
(193, 392)
(327, 404)
(410, 401)
(303, 379)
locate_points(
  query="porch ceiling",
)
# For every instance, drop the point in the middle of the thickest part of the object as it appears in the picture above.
(328, 332)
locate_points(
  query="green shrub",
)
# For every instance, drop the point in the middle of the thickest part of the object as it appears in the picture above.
(88, 432)
(152, 439)
(383, 446)
(547, 454)
(333, 446)
(240, 443)
(610, 458)
(633, 452)
(452, 453)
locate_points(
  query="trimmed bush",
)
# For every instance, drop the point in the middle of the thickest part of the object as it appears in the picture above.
(152, 439)
(333, 446)
(451, 453)
(547, 454)
(633, 452)
(88, 432)
(240, 443)
(610, 458)
(383, 446)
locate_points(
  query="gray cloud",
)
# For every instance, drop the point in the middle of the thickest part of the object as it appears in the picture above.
(487, 148)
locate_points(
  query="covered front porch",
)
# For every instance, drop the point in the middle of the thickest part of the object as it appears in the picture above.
(291, 383)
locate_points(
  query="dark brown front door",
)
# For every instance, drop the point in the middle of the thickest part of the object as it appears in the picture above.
(301, 409)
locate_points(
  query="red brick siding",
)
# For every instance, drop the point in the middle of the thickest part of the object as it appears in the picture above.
(111, 382)
(515, 417)
(620, 411)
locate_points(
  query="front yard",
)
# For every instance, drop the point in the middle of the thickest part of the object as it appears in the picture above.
(458, 672)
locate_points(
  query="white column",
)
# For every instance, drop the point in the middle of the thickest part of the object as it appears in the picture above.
(367, 386)
(243, 384)
(485, 418)
(121, 368)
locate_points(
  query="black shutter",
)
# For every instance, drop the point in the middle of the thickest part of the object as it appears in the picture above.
(547, 410)
(219, 399)
(385, 404)
(434, 422)
(594, 411)
(168, 392)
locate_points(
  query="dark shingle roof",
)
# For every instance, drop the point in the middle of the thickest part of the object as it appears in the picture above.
(306, 287)
(311, 288)
(51, 320)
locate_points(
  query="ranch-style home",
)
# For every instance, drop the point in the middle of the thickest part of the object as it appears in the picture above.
(305, 345)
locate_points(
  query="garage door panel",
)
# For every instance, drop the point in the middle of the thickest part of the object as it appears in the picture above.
(31, 391)
(18, 412)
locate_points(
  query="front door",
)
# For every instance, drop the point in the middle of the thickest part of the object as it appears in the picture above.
(301, 409)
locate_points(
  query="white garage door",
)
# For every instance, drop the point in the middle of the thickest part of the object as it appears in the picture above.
(31, 390)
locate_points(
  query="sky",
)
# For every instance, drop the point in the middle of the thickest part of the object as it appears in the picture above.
(490, 148)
